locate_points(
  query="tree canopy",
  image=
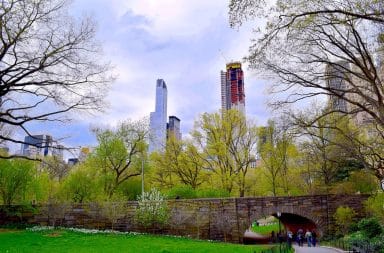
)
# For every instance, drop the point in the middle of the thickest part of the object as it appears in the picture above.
(335, 49)
(50, 65)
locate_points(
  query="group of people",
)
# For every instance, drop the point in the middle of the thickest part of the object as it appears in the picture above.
(300, 237)
(308, 236)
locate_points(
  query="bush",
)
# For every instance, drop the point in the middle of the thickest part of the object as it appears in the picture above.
(344, 218)
(374, 206)
(369, 238)
(359, 240)
(370, 227)
(130, 189)
(152, 209)
(184, 192)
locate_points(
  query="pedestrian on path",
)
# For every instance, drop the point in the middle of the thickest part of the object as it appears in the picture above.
(289, 238)
(314, 238)
(308, 236)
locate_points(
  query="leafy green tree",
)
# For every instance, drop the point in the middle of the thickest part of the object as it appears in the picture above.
(56, 167)
(227, 142)
(344, 217)
(130, 189)
(358, 182)
(79, 186)
(329, 147)
(160, 174)
(119, 153)
(181, 163)
(374, 206)
(183, 191)
(15, 177)
(275, 150)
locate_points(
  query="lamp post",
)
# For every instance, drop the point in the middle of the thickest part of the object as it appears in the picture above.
(280, 236)
(142, 175)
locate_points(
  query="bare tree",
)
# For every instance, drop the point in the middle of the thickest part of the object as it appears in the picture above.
(312, 48)
(49, 65)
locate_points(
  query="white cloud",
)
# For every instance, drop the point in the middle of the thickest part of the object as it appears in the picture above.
(181, 41)
(170, 18)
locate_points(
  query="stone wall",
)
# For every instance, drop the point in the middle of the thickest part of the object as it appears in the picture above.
(216, 219)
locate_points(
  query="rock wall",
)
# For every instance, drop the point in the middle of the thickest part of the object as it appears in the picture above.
(215, 219)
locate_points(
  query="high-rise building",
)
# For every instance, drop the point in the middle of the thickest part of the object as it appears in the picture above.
(58, 151)
(158, 119)
(232, 87)
(173, 127)
(336, 79)
(37, 145)
(41, 145)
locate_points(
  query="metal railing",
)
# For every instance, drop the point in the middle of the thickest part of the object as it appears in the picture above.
(340, 244)
(344, 245)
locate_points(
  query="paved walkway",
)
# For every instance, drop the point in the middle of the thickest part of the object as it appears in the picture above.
(315, 250)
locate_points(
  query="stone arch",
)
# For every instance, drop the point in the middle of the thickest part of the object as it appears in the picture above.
(289, 222)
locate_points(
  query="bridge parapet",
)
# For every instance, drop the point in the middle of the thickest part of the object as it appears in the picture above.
(224, 219)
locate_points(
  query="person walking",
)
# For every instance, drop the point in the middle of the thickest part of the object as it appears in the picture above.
(308, 236)
(314, 238)
(300, 237)
(289, 238)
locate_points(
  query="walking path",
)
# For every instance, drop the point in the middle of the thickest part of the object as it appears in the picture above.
(315, 250)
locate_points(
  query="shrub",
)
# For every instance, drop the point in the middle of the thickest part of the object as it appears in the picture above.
(374, 206)
(152, 209)
(344, 218)
(184, 192)
(369, 245)
(370, 227)
(130, 189)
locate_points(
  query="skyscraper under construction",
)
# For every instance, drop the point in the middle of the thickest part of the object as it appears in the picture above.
(232, 87)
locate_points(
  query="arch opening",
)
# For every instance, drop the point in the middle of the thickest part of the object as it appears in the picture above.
(274, 228)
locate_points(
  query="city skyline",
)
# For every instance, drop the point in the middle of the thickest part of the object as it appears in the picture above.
(136, 36)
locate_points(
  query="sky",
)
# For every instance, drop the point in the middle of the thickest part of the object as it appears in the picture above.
(184, 42)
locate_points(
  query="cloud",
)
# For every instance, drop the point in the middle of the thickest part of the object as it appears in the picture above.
(184, 42)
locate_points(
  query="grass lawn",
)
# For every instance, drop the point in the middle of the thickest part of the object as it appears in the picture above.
(266, 229)
(68, 241)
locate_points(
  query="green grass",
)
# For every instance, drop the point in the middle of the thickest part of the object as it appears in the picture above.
(68, 241)
(267, 229)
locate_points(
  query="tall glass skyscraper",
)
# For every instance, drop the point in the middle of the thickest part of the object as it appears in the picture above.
(336, 78)
(158, 119)
(232, 87)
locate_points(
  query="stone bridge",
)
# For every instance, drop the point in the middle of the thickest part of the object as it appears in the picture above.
(224, 219)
